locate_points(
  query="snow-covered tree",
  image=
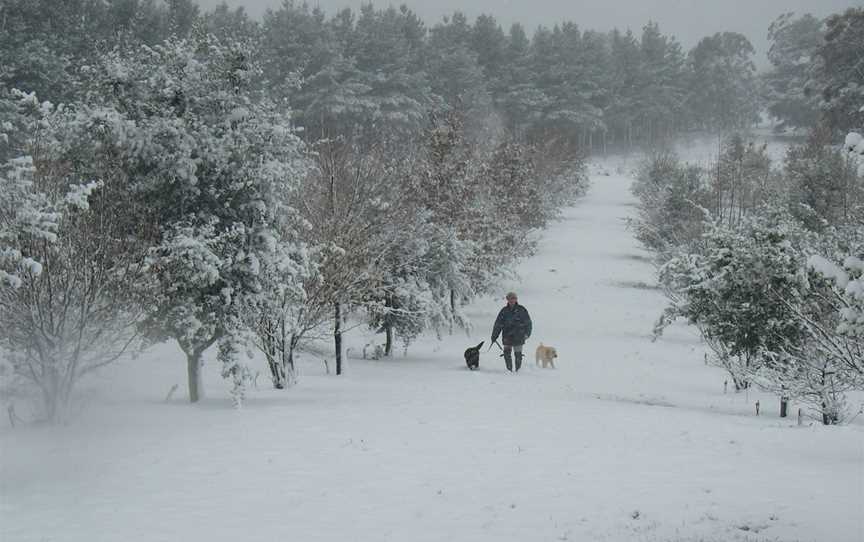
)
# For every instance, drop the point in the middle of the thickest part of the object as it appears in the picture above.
(728, 285)
(423, 267)
(724, 88)
(844, 271)
(345, 204)
(829, 362)
(742, 179)
(70, 252)
(568, 69)
(842, 70)
(212, 162)
(227, 23)
(274, 312)
(792, 89)
(456, 76)
(661, 96)
(625, 78)
(824, 186)
(672, 202)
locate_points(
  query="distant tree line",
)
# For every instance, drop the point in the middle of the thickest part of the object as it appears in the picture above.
(385, 67)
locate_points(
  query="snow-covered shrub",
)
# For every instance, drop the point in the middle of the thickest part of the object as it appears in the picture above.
(672, 202)
(770, 316)
(728, 284)
(824, 188)
(69, 257)
(830, 360)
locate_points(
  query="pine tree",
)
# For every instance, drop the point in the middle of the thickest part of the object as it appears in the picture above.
(724, 95)
(843, 70)
(792, 98)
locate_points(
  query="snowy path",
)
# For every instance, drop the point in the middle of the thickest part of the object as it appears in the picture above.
(627, 440)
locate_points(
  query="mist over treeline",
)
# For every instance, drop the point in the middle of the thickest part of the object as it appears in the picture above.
(385, 67)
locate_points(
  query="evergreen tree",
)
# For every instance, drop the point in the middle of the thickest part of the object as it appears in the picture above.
(662, 95)
(210, 160)
(724, 95)
(792, 94)
(729, 284)
(824, 186)
(843, 70)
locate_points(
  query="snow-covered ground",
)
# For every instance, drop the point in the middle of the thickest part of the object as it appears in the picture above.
(627, 439)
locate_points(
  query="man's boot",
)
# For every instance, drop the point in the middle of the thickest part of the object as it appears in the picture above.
(508, 360)
(518, 361)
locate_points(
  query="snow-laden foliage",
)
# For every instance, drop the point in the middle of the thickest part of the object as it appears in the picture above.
(791, 85)
(424, 267)
(211, 162)
(841, 263)
(830, 361)
(71, 255)
(824, 187)
(841, 70)
(24, 214)
(848, 281)
(772, 315)
(725, 91)
(727, 284)
(672, 202)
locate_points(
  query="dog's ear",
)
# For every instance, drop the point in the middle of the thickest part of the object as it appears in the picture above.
(479, 346)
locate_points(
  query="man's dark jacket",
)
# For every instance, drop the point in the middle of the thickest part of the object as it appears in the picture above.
(514, 325)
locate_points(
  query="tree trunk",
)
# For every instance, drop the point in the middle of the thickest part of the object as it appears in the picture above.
(277, 371)
(388, 343)
(274, 361)
(289, 361)
(193, 369)
(292, 345)
(827, 418)
(337, 337)
(452, 308)
(784, 403)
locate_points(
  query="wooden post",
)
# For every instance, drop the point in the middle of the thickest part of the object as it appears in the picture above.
(800, 417)
(784, 406)
(757, 408)
(725, 386)
(337, 336)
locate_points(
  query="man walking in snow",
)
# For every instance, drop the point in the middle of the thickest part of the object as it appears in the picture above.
(514, 326)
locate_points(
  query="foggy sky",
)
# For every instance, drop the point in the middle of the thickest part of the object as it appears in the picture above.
(687, 20)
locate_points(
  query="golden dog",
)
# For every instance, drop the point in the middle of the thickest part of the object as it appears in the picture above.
(545, 355)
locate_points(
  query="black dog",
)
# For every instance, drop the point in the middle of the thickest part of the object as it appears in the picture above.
(472, 356)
